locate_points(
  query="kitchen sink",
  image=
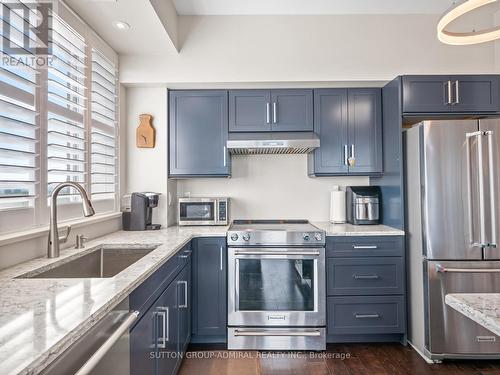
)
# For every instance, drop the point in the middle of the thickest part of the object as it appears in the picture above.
(100, 263)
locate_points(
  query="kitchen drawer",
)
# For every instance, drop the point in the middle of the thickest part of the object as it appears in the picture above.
(365, 276)
(364, 246)
(366, 315)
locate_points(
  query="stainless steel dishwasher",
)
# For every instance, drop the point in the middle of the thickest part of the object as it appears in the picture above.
(104, 349)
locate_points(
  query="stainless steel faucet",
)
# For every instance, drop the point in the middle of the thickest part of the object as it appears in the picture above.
(54, 239)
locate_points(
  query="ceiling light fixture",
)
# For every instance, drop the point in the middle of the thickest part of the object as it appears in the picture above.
(120, 25)
(475, 37)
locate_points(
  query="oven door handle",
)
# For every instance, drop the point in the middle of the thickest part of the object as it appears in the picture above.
(268, 252)
(277, 333)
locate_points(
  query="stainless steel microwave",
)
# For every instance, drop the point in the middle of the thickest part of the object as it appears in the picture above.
(203, 211)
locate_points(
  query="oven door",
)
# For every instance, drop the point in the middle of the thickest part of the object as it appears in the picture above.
(276, 287)
(197, 211)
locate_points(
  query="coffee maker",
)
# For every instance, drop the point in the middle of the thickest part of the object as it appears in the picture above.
(363, 205)
(138, 211)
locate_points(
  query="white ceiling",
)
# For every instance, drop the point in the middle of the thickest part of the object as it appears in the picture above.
(309, 7)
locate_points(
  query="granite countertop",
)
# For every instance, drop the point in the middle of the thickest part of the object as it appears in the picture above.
(357, 230)
(483, 308)
(40, 318)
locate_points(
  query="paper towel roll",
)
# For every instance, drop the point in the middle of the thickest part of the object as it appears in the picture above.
(337, 206)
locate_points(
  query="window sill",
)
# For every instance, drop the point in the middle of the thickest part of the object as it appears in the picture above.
(13, 237)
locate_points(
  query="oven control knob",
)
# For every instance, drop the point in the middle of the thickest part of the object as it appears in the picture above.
(318, 236)
(305, 237)
(234, 237)
(246, 237)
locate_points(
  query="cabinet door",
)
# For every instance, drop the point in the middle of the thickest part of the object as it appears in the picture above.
(209, 289)
(143, 343)
(292, 110)
(330, 123)
(166, 309)
(198, 130)
(249, 110)
(426, 94)
(184, 304)
(365, 130)
(477, 93)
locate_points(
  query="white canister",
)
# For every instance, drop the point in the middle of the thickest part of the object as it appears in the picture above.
(337, 206)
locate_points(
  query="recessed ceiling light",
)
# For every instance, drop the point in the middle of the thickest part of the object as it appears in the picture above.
(464, 38)
(120, 25)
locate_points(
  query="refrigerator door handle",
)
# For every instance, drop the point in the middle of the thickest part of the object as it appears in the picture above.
(491, 172)
(482, 230)
(469, 189)
(441, 269)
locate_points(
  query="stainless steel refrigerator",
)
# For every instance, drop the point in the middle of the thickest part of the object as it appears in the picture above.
(452, 181)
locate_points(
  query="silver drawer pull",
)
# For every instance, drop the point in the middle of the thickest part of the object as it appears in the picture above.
(277, 333)
(366, 316)
(187, 253)
(364, 247)
(486, 338)
(363, 277)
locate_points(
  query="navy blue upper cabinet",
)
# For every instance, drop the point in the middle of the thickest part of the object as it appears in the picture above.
(349, 124)
(270, 110)
(292, 110)
(448, 94)
(198, 130)
(249, 110)
(365, 130)
(330, 123)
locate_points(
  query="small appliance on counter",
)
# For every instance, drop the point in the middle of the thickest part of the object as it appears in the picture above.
(203, 211)
(337, 206)
(363, 205)
(138, 211)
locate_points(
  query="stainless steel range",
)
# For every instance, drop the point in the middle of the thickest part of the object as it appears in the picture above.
(276, 285)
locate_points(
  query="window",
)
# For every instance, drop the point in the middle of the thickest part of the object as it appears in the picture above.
(57, 123)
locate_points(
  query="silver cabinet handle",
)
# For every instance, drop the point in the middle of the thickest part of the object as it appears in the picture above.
(277, 333)
(187, 253)
(221, 250)
(457, 92)
(449, 92)
(275, 112)
(352, 157)
(491, 172)
(108, 344)
(441, 269)
(268, 113)
(225, 152)
(185, 283)
(364, 247)
(346, 157)
(164, 313)
(366, 316)
(363, 277)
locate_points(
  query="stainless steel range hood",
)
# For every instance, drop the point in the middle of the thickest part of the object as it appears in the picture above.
(272, 143)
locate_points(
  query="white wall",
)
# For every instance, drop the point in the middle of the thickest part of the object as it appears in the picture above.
(271, 187)
(147, 167)
(305, 48)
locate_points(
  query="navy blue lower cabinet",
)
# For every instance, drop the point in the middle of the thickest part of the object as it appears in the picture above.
(209, 315)
(366, 289)
(160, 337)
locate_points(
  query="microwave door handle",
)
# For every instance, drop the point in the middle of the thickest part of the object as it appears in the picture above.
(491, 172)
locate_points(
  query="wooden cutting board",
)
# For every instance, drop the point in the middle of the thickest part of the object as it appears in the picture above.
(145, 134)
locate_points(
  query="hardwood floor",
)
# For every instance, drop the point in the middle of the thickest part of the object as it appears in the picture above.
(349, 359)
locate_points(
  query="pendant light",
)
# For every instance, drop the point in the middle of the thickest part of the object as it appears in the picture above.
(465, 38)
